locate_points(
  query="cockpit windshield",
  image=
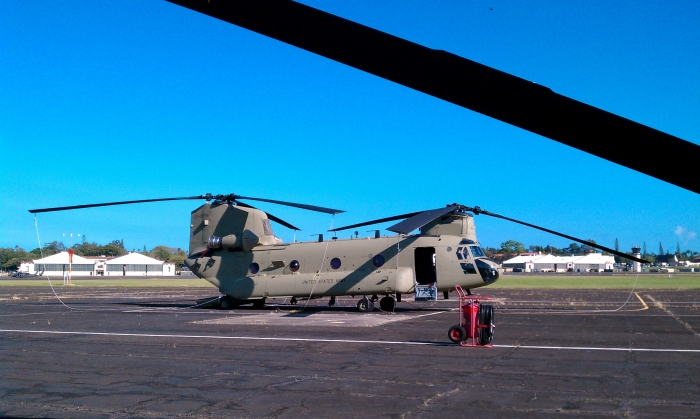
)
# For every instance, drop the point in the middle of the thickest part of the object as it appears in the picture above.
(477, 252)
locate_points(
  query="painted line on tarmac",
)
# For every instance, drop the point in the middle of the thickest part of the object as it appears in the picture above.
(381, 342)
(646, 307)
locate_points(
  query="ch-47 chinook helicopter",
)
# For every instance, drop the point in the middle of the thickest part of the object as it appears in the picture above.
(232, 245)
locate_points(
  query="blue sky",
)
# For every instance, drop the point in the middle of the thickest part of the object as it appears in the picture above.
(110, 101)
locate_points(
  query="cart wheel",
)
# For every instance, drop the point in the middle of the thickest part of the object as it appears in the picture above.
(486, 319)
(457, 334)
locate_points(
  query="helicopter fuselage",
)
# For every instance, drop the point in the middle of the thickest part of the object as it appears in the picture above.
(384, 265)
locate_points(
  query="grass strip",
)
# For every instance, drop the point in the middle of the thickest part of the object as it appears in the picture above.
(646, 281)
(662, 281)
(111, 283)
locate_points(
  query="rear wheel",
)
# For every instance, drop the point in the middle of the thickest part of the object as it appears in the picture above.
(387, 303)
(457, 334)
(225, 303)
(259, 303)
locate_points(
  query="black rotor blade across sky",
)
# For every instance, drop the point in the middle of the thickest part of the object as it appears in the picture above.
(421, 219)
(556, 233)
(106, 204)
(293, 204)
(466, 83)
(272, 217)
(381, 220)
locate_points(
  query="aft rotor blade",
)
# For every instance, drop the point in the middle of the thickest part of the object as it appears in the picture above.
(106, 204)
(272, 217)
(421, 219)
(381, 220)
(466, 83)
(556, 233)
(293, 204)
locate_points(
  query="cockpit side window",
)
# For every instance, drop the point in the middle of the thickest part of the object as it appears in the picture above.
(267, 227)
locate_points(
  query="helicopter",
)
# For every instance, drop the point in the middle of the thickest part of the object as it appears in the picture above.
(232, 245)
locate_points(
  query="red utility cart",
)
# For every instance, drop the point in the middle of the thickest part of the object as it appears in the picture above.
(475, 326)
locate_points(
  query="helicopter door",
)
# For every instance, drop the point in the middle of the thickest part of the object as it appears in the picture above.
(425, 266)
(426, 277)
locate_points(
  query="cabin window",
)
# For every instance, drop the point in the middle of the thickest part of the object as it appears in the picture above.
(267, 227)
(378, 261)
(335, 263)
(294, 265)
(254, 268)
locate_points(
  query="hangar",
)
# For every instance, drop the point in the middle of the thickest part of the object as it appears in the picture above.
(59, 265)
(136, 264)
(592, 262)
(132, 264)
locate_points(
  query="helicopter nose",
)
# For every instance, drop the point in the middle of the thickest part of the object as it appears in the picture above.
(488, 270)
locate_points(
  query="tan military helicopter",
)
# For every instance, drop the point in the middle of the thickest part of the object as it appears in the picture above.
(233, 246)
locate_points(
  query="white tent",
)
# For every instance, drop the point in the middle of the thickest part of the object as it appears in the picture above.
(59, 265)
(134, 264)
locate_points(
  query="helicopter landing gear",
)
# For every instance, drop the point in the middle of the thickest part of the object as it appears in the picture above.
(365, 305)
(293, 301)
(258, 304)
(387, 303)
(374, 298)
(331, 303)
(225, 302)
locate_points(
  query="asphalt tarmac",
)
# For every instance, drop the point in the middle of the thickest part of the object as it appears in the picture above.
(143, 353)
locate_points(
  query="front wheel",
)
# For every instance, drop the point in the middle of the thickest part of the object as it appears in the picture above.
(364, 305)
(457, 334)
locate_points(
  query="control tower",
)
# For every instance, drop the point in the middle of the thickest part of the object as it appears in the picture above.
(636, 266)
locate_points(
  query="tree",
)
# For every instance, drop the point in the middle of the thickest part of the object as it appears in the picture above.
(53, 248)
(661, 249)
(678, 249)
(617, 245)
(644, 254)
(178, 260)
(161, 253)
(512, 246)
(573, 249)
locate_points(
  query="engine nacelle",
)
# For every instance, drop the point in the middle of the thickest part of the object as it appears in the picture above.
(226, 242)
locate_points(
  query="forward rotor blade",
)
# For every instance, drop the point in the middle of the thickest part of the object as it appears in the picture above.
(421, 219)
(381, 220)
(556, 233)
(465, 83)
(272, 217)
(293, 204)
(106, 204)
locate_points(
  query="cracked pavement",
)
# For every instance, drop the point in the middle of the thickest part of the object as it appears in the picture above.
(151, 356)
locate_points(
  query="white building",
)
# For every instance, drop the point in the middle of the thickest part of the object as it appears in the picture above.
(526, 263)
(136, 264)
(58, 265)
(592, 262)
(551, 263)
(133, 264)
